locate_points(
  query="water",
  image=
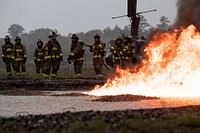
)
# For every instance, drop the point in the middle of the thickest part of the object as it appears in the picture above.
(23, 105)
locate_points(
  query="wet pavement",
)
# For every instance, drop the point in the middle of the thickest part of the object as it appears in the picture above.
(47, 104)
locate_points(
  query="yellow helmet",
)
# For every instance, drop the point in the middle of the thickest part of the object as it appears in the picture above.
(97, 35)
(52, 33)
(7, 37)
(119, 38)
(74, 36)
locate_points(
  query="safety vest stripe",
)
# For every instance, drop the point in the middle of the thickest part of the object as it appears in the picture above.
(54, 49)
(78, 75)
(18, 59)
(40, 54)
(53, 75)
(18, 74)
(47, 57)
(18, 50)
(9, 56)
(97, 56)
(8, 49)
(52, 57)
(72, 54)
(38, 59)
(45, 75)
(100, 75)
(80, 59)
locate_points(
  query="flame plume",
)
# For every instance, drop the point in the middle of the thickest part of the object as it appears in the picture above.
(171, 68)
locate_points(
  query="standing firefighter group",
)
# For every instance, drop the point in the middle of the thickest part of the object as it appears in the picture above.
(14, 55)
(48, 57)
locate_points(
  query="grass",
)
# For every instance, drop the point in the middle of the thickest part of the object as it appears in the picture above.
(66, 71)
(182, 124)
(92, 126)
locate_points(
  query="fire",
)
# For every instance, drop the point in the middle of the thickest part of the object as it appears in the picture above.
(171, 69)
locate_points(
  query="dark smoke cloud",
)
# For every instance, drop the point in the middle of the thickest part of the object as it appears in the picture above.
(188, 13)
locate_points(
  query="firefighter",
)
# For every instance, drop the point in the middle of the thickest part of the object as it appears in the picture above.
(140, 45)
(52, 56)
(119, 52)
(76, 56)
(128, 51)
(134, 50)
(98, 55)
(39, 58)
(20, 57)
(7, 55)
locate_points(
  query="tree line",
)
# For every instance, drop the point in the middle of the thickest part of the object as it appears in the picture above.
(107, 34)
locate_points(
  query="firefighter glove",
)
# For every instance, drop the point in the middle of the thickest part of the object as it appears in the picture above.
(25, 59)
(69, 62)
(61, 58)
(3, 59)
(70, 58)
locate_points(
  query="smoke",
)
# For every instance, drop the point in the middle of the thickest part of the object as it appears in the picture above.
(188, 13)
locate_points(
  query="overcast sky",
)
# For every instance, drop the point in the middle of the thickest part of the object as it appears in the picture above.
(69, 16)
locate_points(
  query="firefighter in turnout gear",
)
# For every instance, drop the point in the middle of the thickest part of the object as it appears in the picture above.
(140, 44)
(119, 53)
(76, 56)
(98, 55)
(7, 55)
(128, 51)
(39, 58)
(19, 57)
(52, 56)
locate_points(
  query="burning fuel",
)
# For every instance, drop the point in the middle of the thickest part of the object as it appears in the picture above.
(171, 68)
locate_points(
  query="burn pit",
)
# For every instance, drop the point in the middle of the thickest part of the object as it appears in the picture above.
(171, 69)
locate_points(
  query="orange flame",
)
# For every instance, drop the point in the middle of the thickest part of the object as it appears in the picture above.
(171, 70)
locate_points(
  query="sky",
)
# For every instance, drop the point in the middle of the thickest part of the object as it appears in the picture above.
(72, 16)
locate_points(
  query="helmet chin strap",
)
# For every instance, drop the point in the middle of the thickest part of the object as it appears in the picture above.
(7, 41)
(18, 42)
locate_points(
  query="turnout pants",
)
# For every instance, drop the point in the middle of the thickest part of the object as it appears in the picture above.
(98, 66)
(78, 66)
(120, 63)
(20, 68)
(52, 66)
(39, 67)
(8, 62)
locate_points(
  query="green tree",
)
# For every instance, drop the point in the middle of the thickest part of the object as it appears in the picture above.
(15, 30)
(116, 31)
(164, 23)
(144, 25)
(127, 30)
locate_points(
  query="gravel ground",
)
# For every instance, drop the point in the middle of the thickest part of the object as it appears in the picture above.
(111, 121)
